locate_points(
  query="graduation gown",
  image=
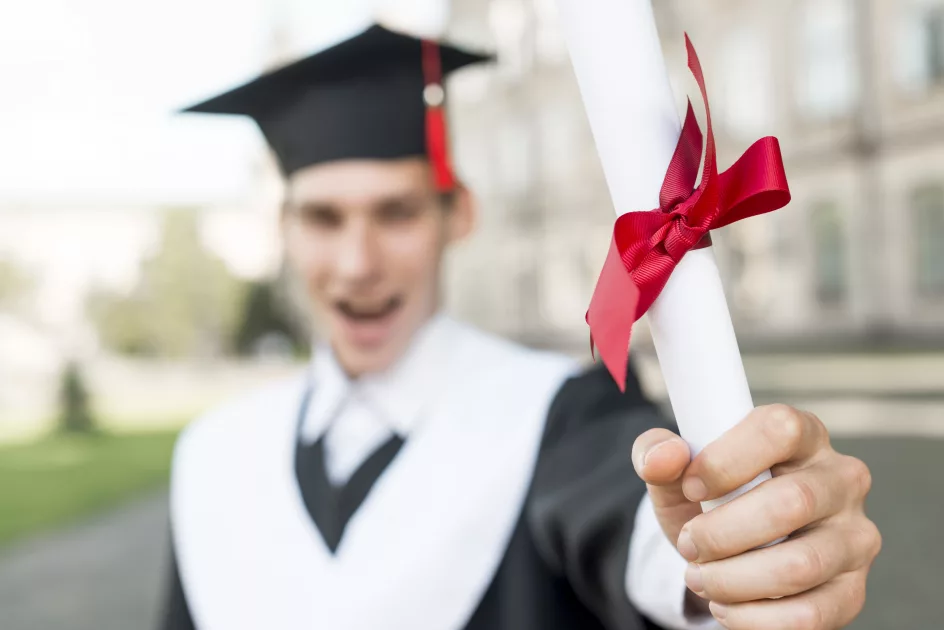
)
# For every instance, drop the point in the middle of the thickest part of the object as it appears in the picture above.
(510, 508)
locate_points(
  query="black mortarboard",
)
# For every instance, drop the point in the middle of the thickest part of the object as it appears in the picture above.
(361, 98)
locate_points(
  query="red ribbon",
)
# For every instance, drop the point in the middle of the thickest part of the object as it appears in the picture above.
(647, 246)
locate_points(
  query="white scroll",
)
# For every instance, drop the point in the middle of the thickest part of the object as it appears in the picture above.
(624, 82)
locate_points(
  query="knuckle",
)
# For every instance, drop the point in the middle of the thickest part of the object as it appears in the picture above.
(817, 428)
(858, 476)
(804, 569)
(784, 425)
(870, 540)
(878, 543)
(808, 615)
(797, 505)
(779, 412)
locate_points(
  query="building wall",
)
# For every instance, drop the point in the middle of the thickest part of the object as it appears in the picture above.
(838, 81)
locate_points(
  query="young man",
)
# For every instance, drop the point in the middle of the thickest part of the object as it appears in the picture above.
(425, 475)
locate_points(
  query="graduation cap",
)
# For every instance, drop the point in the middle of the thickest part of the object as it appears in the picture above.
(377, 95)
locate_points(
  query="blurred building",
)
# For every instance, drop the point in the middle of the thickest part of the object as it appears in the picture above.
(853, 88)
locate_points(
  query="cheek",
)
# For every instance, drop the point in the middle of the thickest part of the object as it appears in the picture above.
(414, 257)
(312, 261)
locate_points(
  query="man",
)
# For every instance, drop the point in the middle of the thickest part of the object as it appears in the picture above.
(425, 475)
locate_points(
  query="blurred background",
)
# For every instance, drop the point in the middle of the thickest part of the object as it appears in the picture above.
(141, 275)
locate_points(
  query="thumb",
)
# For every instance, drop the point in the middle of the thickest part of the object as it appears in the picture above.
(660, 458)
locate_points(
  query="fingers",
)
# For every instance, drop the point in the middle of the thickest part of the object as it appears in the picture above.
(792, 567)
(769, 436)
(777, 508)
(827, 607)
(660, 457)
(816, 579)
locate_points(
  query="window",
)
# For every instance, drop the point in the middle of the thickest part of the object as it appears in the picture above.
(927, 206)
(829, 254)
(920, 62)
(827, 79)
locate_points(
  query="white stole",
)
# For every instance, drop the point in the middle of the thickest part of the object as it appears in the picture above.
(422, 549)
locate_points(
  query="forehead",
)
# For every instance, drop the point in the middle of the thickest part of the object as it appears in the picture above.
(356, 180)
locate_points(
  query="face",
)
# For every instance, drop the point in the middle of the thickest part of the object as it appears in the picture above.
(367, 237)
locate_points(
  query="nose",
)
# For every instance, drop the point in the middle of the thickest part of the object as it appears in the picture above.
(357, 257)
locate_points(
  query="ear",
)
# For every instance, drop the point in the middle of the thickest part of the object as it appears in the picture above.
(462, 215)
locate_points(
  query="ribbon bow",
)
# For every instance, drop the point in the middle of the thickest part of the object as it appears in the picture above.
(647, 246)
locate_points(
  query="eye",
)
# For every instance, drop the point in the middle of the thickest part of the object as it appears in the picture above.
(399, 211)
(319, 216)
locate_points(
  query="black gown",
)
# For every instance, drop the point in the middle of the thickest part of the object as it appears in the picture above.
(565, 566)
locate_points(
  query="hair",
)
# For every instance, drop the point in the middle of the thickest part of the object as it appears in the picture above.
(448, 198)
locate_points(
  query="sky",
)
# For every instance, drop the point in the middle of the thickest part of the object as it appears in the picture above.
(89, 133)
(89, 90)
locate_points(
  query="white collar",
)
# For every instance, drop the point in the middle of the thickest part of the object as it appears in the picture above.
(398, 395)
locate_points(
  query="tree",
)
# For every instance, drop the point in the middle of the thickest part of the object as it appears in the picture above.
(186, 302)
(75, 415)
(267, 324)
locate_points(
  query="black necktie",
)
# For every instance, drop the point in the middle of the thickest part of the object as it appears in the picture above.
(331, 507)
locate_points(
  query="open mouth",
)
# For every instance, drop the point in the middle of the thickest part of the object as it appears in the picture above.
(366, 313)
(368, 325)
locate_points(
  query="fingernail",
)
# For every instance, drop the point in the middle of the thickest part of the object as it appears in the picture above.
(695, 489)
(720, 611)
(693, 579)
(653, 449)
(686, 546)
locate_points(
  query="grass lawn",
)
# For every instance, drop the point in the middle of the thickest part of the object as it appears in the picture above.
(61, 477)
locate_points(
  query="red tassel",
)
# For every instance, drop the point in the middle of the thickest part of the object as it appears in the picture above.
(436, 146)
(437, 137)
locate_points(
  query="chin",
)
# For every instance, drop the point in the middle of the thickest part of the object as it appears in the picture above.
(360, 361)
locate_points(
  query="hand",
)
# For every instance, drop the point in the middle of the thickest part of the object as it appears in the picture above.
(815, 580)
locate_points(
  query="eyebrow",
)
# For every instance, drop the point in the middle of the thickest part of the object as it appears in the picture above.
(316, 205)
(309, 206)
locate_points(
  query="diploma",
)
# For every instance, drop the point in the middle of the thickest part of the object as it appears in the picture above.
(624, 83)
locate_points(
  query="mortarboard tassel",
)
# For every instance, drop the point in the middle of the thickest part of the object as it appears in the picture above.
(437, 144)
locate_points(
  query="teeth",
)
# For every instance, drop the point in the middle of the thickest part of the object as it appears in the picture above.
(367, 313)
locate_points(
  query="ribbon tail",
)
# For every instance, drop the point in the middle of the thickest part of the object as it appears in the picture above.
(611, 315)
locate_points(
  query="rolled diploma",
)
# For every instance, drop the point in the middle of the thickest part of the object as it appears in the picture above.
(624, 82)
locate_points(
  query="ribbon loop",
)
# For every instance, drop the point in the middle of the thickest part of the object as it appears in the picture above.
(646, 246)
(683, 169)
